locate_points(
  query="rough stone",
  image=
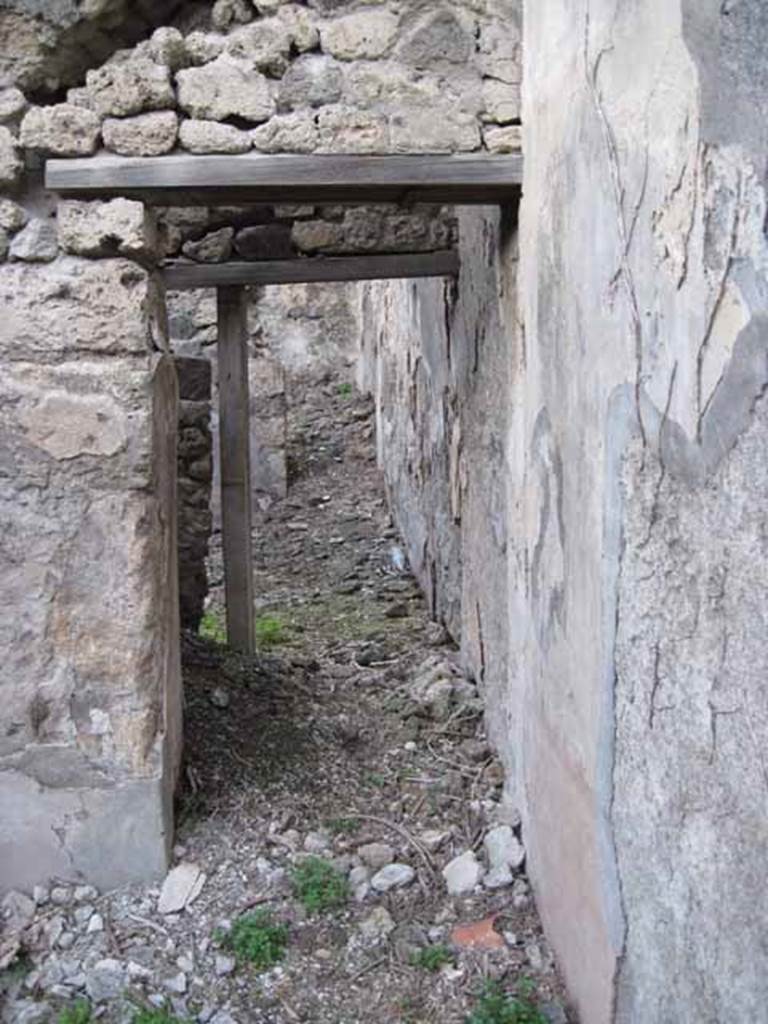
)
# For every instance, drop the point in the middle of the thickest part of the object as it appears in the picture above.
(13, 104)
(264, 242)
(106, 980)
(503, 848)
(225, 88)
(301, 25)
(359, 36)
(215, 247)
(181, 887)
(11, 164)
(62, 130)
(376, 855)
(503, 140)
(377, 926)
(440, 37)
(343, 129)
(231, 12)
(167, 47)
(501, 102)
(150, 134)
(120, 226)
(287, 133)
(462, 874)
(393, 876)
(313, 81)
(131, 87)
(318, 235)
(265, 45)
(36, 243)
(203, 47)
(212, 137)
(441, 128)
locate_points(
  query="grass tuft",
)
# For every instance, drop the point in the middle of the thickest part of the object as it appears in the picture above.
(271, 631)
(78, 1013)
(213, 627)
(496, 1007)
(319, 886)
(256, 940)
(432, 958)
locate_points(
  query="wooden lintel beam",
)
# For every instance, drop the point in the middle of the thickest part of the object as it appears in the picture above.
(185, 276)
(191, 180)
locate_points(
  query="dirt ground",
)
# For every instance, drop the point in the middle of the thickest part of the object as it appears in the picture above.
(323, 744)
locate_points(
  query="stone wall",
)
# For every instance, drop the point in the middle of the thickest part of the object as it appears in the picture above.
(195, 473)
(90, 739)
(640, 457)
(438, 359)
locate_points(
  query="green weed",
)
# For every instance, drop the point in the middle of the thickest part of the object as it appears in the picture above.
(496, 1007)
(270, 631)
(213, 627)
(318, 885)
(345, 390)
(432, 958)
(78, 1013)
(374, 779)
(255, 939)
(154, 1016)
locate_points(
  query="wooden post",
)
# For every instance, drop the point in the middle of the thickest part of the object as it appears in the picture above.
(235, 467)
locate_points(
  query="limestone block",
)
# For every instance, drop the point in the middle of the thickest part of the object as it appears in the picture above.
(501, 102)
(10, 161)
(266, 45)
(131, 87)
(440, 37)
(500, 51)
(301, 25)
(144, 135)
(12, 216)
(213, 137)
(311, 81)
(437, 129)
(365, 34)
(120, 226)
(225, 88)
(264, 242)
(13, 104)
(215, 247)
(63, 130)
(231, 12)
(167, 46)
(79, 97)
(508, 139)
(372, 82)
(36, 243)
(318, 235)
(287, 133)
(343, 129)
(203, 47)
(79, 306)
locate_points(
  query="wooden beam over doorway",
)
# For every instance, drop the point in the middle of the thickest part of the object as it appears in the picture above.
(184, 276)
(234, 434)
(190, 180)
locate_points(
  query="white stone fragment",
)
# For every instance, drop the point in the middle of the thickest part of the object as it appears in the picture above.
(100, 229)
(504, 139)
(462, 874)
(503, 848)
(36, 243)
(13, 103)
(167, 47)
(393, 876)
(105, 980)
(376, 855)
(287, 133)
(181, 887)
(377, 926)
(63, 130)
